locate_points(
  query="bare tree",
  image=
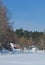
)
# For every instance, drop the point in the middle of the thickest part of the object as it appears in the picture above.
(6, 33)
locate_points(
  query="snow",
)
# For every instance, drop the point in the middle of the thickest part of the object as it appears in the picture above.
(23, 59)
(12, 45)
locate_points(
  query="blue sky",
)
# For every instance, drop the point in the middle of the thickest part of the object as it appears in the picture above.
(27, 14)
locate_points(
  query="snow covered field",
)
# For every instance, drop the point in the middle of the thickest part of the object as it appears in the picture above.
(23, 59)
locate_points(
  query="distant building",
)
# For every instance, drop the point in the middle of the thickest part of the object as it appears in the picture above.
(33, 48)
(15, 46)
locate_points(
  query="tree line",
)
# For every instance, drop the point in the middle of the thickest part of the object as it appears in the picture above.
(28, 38)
